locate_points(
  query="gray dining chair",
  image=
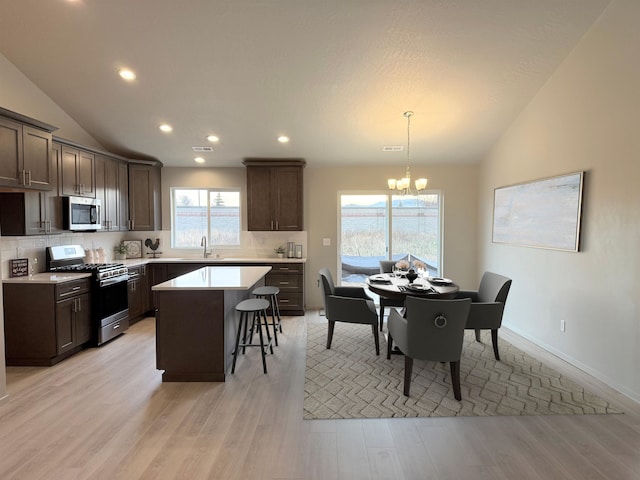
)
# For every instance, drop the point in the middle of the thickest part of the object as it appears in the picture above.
(431, 330)
(386, 266)
(347, 304)
(487, 306)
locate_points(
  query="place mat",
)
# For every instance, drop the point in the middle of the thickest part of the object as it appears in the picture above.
(350, 381)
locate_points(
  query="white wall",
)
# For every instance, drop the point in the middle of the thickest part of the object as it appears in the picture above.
(19, 94)
(584, 118)
(321, 187)
(458, 185)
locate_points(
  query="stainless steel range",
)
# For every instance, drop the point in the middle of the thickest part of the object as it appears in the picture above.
(109, 303)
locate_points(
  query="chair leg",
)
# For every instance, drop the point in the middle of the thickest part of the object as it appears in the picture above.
(262, 352)
(375, 337)
(235, 351)
(408, 369)
(381, 316)
(478, 335)
(389, 346)
(330, 333)
(494, 340)
(455, 379)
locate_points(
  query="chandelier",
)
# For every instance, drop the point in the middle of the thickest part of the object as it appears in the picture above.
(403, 185)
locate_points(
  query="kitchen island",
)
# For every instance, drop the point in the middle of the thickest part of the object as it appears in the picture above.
(196, 321)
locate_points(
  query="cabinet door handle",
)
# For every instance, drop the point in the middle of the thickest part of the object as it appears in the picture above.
(77, 287)
(277, 225)
(283, 300)
(116, 326)
(284, 283)
(28, 177)
(24, 177)
(271, 224)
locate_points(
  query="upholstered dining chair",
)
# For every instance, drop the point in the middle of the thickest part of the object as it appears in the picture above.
(431, 330)
(386, 266)
(347, 304)
(487, 306)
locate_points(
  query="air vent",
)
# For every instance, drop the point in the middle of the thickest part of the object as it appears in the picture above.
(392, 148)
(202, 149)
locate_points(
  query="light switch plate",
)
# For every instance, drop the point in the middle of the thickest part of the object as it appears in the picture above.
(326, 242)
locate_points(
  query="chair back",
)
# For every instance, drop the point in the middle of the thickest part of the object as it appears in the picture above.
(327, 285)
(435, 328)
(493, 288)
(386, 266)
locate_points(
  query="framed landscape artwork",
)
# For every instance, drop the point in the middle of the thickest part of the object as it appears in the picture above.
(541, 213)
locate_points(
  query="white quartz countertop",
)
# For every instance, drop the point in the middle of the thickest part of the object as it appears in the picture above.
(47, 277)
(216, 278)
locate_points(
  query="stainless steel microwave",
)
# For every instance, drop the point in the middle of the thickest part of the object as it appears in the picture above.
(81, 214)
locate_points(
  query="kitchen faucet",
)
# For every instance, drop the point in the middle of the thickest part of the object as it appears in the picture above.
(203, 243)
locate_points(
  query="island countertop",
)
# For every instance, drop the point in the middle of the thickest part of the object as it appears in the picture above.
(216, 278)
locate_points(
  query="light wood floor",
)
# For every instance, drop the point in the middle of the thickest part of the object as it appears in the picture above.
(105, 414)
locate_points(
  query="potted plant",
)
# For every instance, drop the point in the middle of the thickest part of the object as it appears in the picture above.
(280, 251)
(120, 251)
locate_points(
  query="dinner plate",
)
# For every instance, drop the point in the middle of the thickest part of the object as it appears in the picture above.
(417, 287)
(439, 281)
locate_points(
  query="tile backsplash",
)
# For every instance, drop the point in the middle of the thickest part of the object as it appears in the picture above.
(253, 245)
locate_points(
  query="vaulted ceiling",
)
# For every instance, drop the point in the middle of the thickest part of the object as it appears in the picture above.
(333, 75)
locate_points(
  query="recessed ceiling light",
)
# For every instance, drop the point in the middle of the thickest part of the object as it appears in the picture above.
(127, 74)
(213, 138)
(283, 139)
(198, 160)
(166, 128)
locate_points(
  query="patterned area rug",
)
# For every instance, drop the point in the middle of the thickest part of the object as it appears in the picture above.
(350, 381)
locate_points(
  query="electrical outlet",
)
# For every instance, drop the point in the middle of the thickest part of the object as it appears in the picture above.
(326, 242)
(562, 325)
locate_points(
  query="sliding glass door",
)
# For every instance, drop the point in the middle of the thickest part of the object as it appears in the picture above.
(376, 227)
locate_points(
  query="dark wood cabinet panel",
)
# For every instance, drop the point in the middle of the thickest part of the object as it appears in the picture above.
(156, 273)
(45, 331)
(144, 197)
(32, 213)
(78, 172)
(110, 185)
(137, 292)
(25, 156)
(37, 158)
(274, 194)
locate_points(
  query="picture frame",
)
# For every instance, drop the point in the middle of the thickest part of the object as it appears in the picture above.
(134, 248)
(543, 213)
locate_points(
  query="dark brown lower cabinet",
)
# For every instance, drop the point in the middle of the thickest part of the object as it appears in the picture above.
(45, 323)
(137, 293)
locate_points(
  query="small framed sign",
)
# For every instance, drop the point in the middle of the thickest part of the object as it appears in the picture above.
(19, 267)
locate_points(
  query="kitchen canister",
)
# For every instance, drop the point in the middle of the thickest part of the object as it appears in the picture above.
(298, 251)
(290, 250)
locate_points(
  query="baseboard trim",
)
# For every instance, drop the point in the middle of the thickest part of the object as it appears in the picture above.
(635, 396)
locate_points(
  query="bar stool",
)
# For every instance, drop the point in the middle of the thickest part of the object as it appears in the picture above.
(271, 294)
(257, 307)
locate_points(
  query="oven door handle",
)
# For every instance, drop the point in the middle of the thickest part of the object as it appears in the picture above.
(110, 281)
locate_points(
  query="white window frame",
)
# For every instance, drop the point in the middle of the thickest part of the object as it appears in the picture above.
(208, 190)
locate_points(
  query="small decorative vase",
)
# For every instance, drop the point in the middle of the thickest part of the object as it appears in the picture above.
(411, 275)
(281, 255)
(121, 256)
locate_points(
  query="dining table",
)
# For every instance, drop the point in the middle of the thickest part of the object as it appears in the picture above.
(389, 285)
(394, 286)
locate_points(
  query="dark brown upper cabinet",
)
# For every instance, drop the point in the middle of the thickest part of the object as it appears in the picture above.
(274, 194)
